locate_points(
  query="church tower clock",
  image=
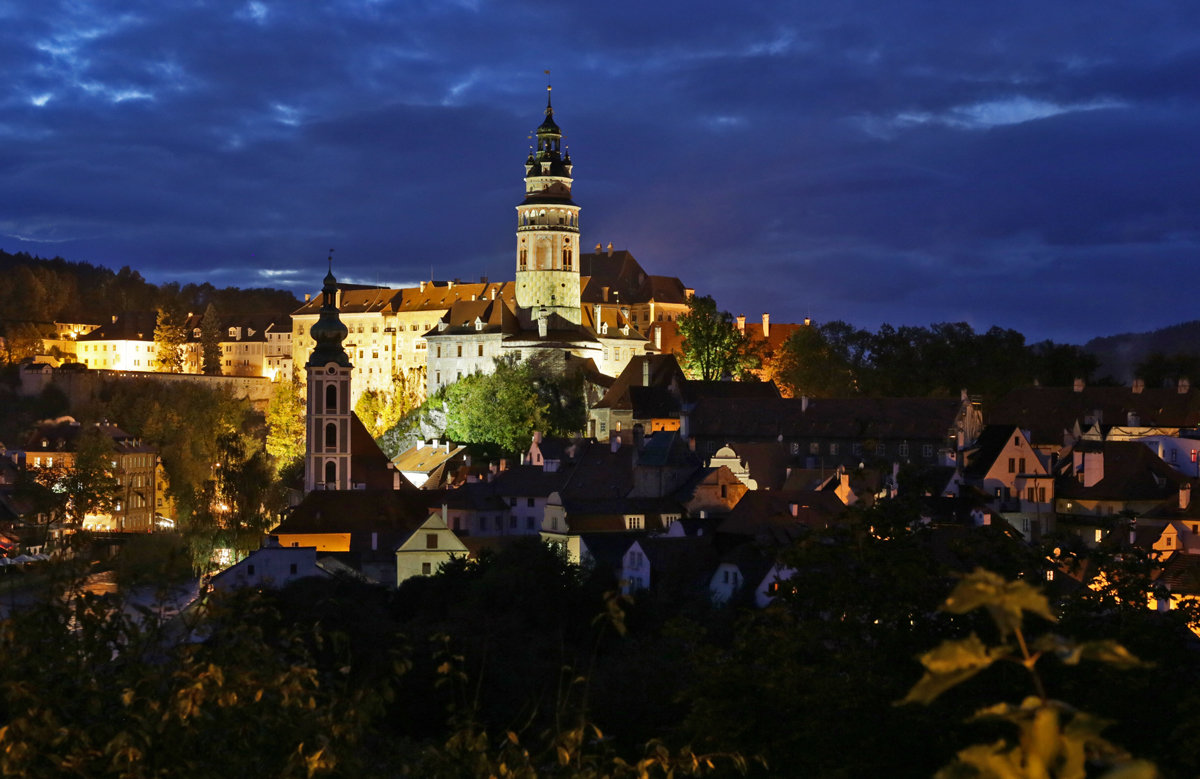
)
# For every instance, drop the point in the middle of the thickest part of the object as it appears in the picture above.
(327, 426)
(547, 281)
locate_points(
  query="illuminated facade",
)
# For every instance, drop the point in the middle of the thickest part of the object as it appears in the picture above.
(548, 229)
(327, 422)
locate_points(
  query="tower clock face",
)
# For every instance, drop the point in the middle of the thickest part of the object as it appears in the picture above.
(331, 370)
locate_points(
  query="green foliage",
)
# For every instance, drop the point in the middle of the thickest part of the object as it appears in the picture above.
(1159, 369)
(838, 360)
(48, 290)
(89, 484)
(169, 339)
(713, 347)
(285, 423)
(381, 410)
(238, 504)
(1052, 738)
(210, 341)
(503, 408)
(184, 421)
(22, 340)
(124, 696)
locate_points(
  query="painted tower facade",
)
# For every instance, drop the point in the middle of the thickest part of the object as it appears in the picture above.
(327, 425)
(547, 281)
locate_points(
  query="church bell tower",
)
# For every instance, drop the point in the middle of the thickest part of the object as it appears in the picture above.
(327, 425)
(548, 229)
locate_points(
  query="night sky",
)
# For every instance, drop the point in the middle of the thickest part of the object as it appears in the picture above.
(1033, 165)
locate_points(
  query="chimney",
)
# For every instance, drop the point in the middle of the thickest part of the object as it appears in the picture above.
(1185, 496)
(445, 513)
(422, 286)
(807, 321)
(803, 403)
(493, 293)
(543, 325)
(307, 296)
(604, 293)
(449, 285)
(447, 446)
(646, 372)
(1139, 385)
(420, 444)
(1079, 385)
(1184, 386)
(537, 436)
(610, 248)
(741, 323)
(794, 508)
(766, 325)
(599, 247)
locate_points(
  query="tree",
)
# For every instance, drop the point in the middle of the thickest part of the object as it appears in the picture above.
(285, 422)
(90, 484)
(499, 408)
(713, 347)
(381, 410)
(210, 341)
(169, 338)
(810, 366)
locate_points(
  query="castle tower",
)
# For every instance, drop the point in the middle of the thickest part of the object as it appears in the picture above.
(548, 230)
(327, 428)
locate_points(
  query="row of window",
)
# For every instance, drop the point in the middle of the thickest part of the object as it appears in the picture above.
(880, 449)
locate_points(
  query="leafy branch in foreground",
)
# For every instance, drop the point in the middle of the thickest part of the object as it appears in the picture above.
(1053, 738)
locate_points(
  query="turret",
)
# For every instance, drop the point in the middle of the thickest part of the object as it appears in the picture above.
(548, 227)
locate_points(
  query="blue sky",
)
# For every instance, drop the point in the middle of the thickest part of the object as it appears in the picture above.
(1025, 164)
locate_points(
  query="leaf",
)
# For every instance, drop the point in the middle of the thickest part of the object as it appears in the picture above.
(1137, 769)
(1104, 651)
(951, 663)
(1004, 600)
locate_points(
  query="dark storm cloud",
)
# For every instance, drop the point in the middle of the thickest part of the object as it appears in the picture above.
(1008, 164)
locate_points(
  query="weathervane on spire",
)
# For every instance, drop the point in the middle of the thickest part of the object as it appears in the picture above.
(549, 109)
(331, 260)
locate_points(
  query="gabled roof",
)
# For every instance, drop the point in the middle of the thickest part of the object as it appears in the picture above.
(528, 481)
(425, 458)
(768, 515)
(1181, 574)
(368, 464)
(600, 473)
(1049, 411)
(666, 448)
(354, 511)
(679, 561)
(742, 391)
(1131, 472)
(663, 370)
(991, 442)
(475, 317)
(879, 418)
(129, 326)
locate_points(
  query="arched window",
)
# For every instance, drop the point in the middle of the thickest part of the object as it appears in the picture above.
(331, 436)
(330, 472)
(331, 398)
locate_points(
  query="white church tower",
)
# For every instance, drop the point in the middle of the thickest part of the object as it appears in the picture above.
(327, 428)
(547, 280)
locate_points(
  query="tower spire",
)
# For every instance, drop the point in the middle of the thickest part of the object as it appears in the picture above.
(549, 108)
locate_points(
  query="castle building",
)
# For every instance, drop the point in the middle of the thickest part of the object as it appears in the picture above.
(549, 316)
